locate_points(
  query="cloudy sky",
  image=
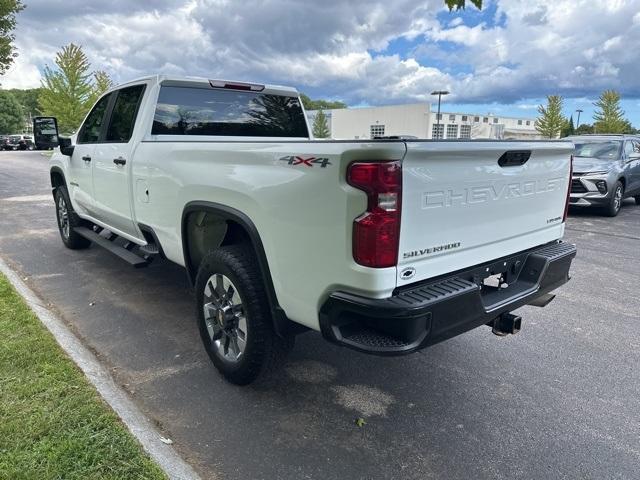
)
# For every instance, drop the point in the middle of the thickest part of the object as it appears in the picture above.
(503, 59)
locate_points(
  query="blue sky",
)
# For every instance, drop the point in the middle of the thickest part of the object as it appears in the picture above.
(503, 59)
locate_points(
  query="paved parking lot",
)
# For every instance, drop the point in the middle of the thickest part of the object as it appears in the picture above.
(559, 400)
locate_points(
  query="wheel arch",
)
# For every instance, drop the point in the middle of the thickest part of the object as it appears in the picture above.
(57, 177)
(623, 180)
(238, 227)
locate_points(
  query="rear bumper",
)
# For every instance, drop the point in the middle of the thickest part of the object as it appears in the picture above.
(421, 315)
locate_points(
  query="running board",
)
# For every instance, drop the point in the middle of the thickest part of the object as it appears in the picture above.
(126, 255)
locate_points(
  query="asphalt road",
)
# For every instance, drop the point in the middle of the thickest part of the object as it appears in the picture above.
(559, 400)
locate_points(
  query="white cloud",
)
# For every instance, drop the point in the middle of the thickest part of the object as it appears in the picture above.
(530, 48)
(21, 75)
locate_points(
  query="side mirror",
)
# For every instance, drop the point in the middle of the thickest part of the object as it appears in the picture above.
(45, 133)
(66, 147)
(634, 156)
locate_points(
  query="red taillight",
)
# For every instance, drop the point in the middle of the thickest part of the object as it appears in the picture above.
(376, 233)
(566, 205)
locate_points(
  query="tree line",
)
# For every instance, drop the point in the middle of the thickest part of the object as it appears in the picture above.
(608, 118)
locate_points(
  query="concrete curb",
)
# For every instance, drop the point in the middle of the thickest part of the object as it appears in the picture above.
(139, 425)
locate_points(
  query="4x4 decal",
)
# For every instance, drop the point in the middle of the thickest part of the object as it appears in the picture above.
(308, 162)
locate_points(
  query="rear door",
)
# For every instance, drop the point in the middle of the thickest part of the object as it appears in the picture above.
(80, 181)
(466, 203)
(633, 165)
(112, 162)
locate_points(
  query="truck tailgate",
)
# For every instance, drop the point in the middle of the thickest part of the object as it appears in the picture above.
(462, 205)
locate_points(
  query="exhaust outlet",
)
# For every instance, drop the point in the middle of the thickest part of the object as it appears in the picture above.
(506, 324)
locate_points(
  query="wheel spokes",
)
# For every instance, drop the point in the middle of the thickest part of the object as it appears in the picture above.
(224, 317)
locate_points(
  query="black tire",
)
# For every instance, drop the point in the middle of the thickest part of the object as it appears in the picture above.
(263, 350)
(615, 203)
(69, 237)
(637, 199)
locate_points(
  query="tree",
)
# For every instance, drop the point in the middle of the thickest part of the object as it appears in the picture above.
(320, 104)
(628, 128)
(11, 119)
(584, 129)
(568, 128)
(69, 91)
(28, 98)
(102, 83)
(8, 11)
(551, 120)
(609, 118)
(460, 4)
(320, 126)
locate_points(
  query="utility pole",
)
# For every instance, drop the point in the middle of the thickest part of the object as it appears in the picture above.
(579, 112)
(439, 93)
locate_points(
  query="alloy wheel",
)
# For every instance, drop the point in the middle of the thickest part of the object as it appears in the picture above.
(617, 199)
(225, 318)
(63, 217)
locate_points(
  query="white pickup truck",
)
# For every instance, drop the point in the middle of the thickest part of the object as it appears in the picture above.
(385, 246)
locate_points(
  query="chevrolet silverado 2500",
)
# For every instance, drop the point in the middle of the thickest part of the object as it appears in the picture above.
(385, 246)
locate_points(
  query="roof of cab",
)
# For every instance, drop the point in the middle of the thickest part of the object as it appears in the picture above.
(204, 82)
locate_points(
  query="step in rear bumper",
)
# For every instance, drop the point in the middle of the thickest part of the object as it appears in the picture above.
(421, 315)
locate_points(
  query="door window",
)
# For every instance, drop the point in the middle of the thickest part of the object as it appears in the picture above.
(90, 131)
(628, 148)
(124, 113)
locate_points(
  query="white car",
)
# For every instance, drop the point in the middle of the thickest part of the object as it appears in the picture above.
(384, 246)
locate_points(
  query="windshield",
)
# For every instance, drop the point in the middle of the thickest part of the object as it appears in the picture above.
(606, 150)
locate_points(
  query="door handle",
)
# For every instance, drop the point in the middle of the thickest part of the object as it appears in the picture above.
(119, 161)
(86, 158)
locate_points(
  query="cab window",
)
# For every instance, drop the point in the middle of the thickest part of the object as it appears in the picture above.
(92, 127)
(124, 114)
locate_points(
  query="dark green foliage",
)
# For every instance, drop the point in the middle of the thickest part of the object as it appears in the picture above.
(568, 128)
(461, 4)
(584, 129)
(320, 104)
(11, 118)
(28, 99)
(8, 11)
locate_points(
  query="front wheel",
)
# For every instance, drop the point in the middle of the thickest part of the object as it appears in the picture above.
(615, 203)
(67, 219)
(637, 199)
(234, 317)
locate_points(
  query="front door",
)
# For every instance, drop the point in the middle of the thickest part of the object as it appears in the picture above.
(112, 163)
(79, 173)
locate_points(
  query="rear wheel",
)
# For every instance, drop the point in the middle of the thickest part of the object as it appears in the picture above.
(637, 199)
(234, 317)
(615, 203)
(67, 220)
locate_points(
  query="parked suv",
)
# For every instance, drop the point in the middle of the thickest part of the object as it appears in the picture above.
(606, 170)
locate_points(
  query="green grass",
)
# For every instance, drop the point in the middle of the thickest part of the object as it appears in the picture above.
(53, 423)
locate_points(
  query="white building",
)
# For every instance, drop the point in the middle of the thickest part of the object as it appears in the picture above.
(417, 120)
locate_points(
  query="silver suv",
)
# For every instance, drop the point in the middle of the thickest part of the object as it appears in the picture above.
(606, 169)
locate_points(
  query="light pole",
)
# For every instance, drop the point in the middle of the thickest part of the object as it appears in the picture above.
(440, 93)
(579, 112)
